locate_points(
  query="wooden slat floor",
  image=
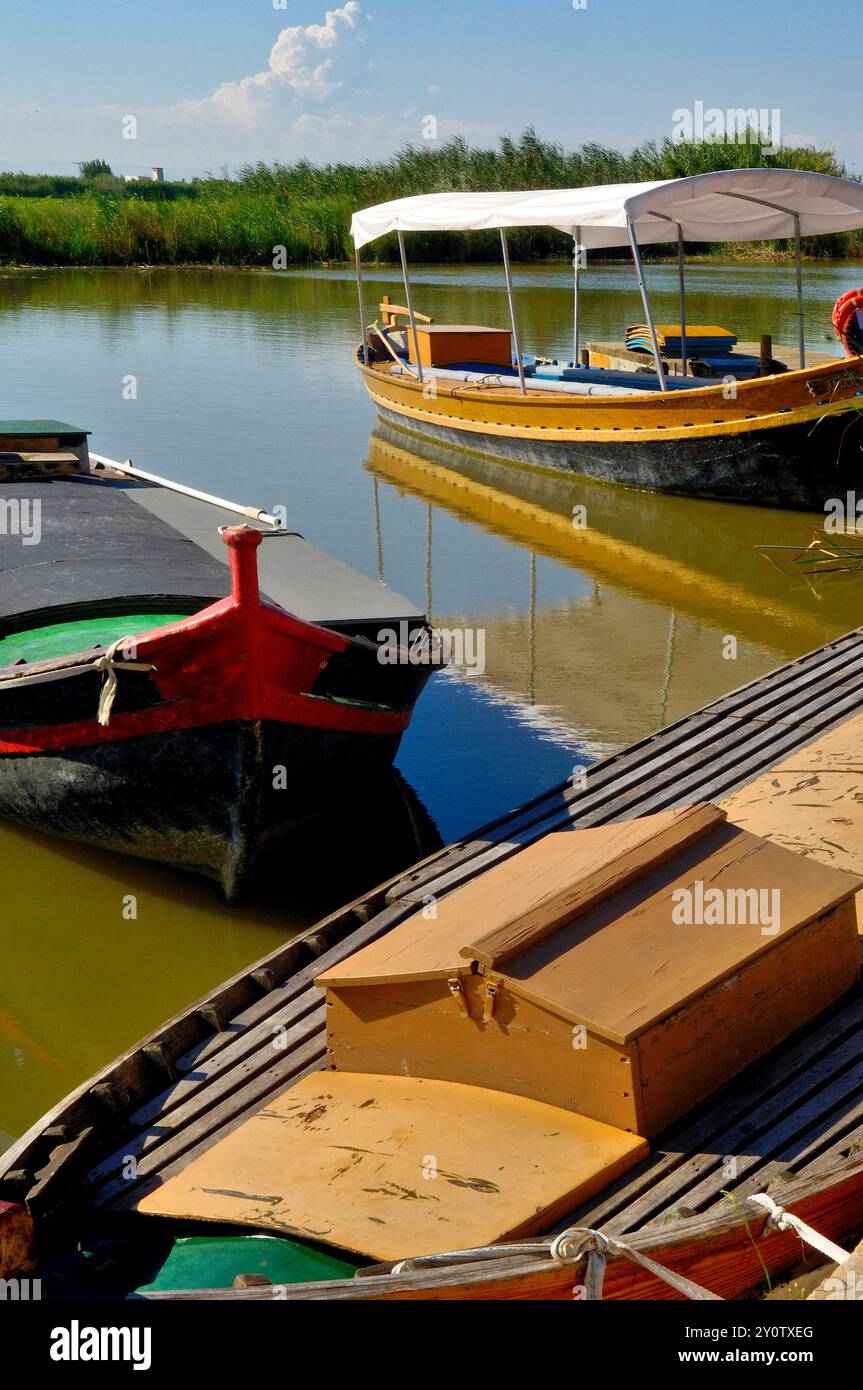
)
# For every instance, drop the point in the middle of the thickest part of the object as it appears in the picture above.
(798, 1109)
(792, 1113)
(207, 1070)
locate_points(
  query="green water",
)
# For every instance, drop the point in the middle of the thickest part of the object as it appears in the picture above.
(244, 386)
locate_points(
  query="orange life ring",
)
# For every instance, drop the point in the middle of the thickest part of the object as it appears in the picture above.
(848, 321)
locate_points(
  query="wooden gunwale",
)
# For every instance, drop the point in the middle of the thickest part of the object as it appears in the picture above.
(716, 1250)
(761, 403)
(212, 1065)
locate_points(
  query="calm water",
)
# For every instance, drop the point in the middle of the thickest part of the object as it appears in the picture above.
(593, 638)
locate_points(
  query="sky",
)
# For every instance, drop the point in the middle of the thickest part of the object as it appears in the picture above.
(211, 84)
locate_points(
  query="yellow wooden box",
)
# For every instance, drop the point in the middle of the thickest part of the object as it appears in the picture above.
(442, 344)
(564, 973)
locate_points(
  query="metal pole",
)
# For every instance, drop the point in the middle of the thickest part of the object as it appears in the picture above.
(410, 302)
(575, 261)
(129, 470)
(645, 299)
(777, 207)
(682, 289)
(512, 315)
(362, 308)
(801, 336)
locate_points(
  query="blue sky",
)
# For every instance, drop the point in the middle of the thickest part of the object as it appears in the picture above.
(212, 83)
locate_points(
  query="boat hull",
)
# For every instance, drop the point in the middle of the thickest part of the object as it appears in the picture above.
(212, 800)
(786, 468)
(786, 441)
(216, 736)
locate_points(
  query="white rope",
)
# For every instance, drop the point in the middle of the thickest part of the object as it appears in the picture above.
(104, 662)
(108, 664)
(785, 1221)
(570, 1247)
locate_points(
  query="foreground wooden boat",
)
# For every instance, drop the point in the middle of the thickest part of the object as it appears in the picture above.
(151, 699)
(783, 439)
(790, 1124)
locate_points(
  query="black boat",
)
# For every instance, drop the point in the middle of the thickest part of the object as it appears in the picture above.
(153, 699)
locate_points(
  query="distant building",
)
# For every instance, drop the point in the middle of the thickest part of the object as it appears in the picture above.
(157, 174)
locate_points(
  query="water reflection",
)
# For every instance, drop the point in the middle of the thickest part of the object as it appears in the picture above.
(99, 948)
(618, 627)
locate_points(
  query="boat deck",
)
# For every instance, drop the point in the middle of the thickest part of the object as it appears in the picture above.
(157, 545)
(292, 571)
(792, 1115)
(202, 1074)
(218, 1064)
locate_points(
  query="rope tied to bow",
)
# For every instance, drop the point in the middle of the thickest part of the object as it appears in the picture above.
(108, 664)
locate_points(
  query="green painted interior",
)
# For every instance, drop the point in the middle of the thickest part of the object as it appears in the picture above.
(64, 639)
(213, 1262)
(26, 428)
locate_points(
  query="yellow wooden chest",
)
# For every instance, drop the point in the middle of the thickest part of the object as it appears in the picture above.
(623, 972)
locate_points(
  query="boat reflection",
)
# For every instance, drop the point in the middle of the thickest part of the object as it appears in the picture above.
(129, 941)
(675, 606)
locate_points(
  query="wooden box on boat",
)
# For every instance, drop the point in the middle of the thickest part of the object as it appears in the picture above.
(562, 975)
(441, 345)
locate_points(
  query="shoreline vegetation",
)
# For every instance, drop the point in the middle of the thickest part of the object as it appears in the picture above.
(279, 215)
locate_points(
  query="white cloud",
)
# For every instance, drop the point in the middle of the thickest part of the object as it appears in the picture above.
(302, 62)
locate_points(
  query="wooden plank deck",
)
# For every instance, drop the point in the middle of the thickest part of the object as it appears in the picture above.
(213, 1066)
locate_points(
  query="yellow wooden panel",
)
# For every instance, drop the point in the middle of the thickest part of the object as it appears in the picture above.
(416, 1028)
(626, 963)
(627, 852)
(430, 946)
(689, 1054)
(811, 802)
(342, 1158)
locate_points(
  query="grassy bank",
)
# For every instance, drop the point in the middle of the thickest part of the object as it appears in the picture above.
(306, 208)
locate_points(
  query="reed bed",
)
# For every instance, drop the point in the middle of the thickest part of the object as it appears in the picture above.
(305, 208)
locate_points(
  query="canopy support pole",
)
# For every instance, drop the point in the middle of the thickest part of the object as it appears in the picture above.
(410, 303)
(798, 272)
(512, 314)
(576, 261)
(681, 279)
(645, 299)
(362, 308)
(798, 269)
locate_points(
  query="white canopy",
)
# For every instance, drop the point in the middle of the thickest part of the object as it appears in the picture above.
(724, 206)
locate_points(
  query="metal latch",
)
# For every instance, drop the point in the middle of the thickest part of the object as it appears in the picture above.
(455, 989)
(492, 990)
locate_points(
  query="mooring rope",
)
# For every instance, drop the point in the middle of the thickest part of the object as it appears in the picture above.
(109, 665)
(786, 1221)
(105, 662)
(570, 1247)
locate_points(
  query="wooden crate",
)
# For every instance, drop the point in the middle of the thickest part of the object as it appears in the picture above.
(562, 975)
(442, 344)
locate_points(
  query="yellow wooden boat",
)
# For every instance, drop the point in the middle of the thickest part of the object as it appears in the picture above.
(784, 438)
